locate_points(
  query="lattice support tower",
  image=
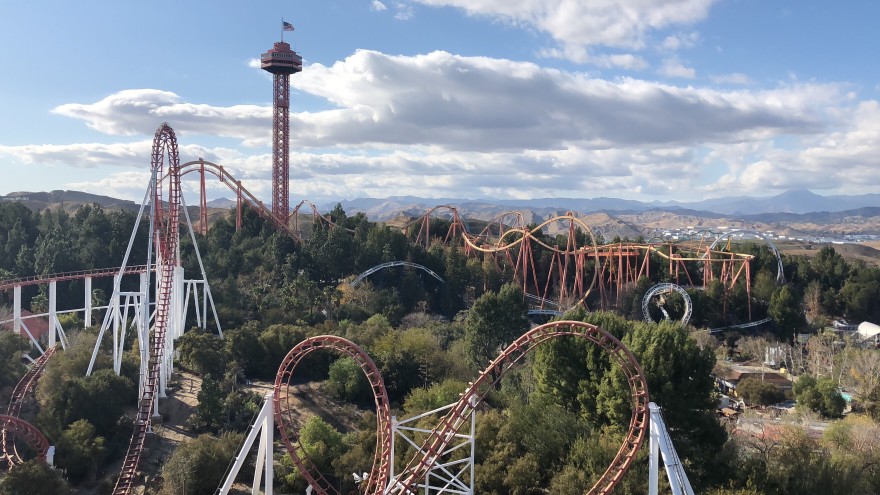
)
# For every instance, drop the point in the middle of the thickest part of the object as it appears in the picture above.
(281, 61)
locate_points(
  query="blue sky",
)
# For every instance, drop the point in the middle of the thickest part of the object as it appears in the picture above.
(638, 99)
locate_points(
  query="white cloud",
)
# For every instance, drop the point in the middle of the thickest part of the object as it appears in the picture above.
(579, 24)
(581, 55)
(734, 78)
(477, 103)
(674, 68)
(378, 6)
(678, 41)
(139, 111)
(842, 161)
(405, 11)
(481, 127)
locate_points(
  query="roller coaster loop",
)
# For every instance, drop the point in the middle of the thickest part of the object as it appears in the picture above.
(660, 290)
(390, 264)
(379, 482)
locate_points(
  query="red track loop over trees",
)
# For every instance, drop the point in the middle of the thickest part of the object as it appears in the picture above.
(381, 469)
(18, 428)
(477, 390)
(166, 238)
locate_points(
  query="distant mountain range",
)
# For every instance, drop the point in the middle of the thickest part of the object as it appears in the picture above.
(795, 212)
(794, 201)
(67, 200)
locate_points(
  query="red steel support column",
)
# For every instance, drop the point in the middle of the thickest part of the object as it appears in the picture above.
(281, 146)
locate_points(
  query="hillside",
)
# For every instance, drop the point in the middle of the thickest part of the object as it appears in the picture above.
(69, 201)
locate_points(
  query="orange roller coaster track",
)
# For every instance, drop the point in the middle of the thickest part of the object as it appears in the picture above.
(577, 264)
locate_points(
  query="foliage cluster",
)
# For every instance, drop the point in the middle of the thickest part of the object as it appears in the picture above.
(272, 293)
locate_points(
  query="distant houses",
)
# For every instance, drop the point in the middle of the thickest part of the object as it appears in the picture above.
(728, 379)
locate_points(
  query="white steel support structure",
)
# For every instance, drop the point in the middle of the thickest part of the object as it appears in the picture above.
(18, 322)
(264, 426)
(134, 309)
(56, 333)
(661, 444)
(192, 286)
(452, 472)
(87, 303)
(125, 310)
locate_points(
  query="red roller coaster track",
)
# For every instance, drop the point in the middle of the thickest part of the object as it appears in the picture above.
(477, 390)
(12, 425)
(379, 473)
(63, 276)
(166, 239)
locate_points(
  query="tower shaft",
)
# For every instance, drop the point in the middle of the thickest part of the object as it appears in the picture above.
(281, 146)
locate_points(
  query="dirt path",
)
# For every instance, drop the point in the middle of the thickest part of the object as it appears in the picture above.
(176, 409)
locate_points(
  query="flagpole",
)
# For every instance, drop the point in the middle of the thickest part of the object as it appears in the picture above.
(282, 30)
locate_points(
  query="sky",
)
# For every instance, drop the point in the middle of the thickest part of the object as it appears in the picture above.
(473, 99)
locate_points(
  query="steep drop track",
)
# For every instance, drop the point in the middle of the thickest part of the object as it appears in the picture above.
(166, 238)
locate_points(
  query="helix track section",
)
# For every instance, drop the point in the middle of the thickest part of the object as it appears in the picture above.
(443, 433)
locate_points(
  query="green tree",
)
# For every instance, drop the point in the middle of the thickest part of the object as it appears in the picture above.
(11, 368)
(245, 348)
(209, 412)
(820, 395)
(100, 399)
(80, 451)
(197, 467)
(347, 381)
(494, 321)
(202, 352)
(786, 312)
(756, 391)
(33, 478)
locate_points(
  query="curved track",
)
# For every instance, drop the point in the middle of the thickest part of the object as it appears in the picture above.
(12, 425)
(391, 264)
(18, 428)
(242, 194)
(660, 290)
(379, 473)
(167, 225)
(477, 390)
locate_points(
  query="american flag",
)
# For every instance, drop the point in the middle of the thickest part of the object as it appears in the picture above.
(286, 26)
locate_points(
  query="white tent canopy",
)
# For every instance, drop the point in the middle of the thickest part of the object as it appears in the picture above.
(867, 329)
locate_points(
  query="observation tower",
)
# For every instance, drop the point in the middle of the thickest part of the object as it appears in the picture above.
(281, 61)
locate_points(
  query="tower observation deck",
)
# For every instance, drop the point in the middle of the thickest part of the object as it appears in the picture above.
(281, 61)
